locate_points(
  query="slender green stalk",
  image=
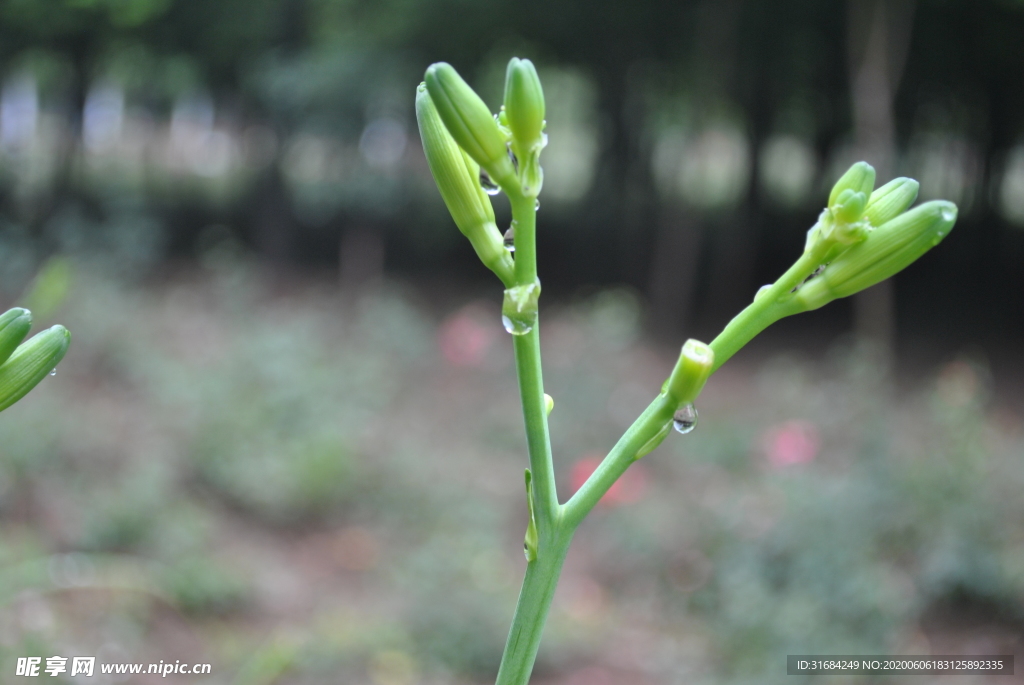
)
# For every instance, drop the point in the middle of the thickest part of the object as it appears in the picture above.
(528, 369)
(532, 610)
(769, 307)
(654, 418)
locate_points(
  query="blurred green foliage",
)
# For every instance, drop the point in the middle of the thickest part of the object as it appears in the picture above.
(235, 451)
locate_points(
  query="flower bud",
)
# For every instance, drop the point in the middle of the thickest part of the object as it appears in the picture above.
(458, 178)
(860, 178)
(891, 200)
(849, 206)
(524, 115)
(469, 121)
(524, 102)
(31, 363)
(888, 249)
(691, 372)
(14, 326)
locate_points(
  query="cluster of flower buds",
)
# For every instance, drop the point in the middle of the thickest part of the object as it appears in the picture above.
(457, 175)
(461, 138)
(866, 236)
(841, 224)
(23, 365)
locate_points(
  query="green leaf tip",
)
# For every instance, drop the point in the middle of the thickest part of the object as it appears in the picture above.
(32, 362)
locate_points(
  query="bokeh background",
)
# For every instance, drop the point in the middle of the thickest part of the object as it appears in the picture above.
(286, 439)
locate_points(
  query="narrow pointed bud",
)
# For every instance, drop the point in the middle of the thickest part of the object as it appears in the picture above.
(691, 372)
(14, 326)
(860, 178)
(458, 178)
(524, 115)
(888, 249)
(891, 200)
(469, 121)
(31, 363)
(524, 102)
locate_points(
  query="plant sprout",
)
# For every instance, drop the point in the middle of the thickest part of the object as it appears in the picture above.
(862, 237)
(24, 364)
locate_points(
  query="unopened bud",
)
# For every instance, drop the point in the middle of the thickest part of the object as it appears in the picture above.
(14, 326)
(524, 102)
(469, 121)
(458, 178)
(524, 114)
(888, 249)
(860, 178)
(849, 206)
(691, 372)
(891, 200)
(31, 363)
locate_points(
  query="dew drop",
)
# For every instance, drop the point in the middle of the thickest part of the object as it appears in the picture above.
(685, 419)
(536, 205)
(53, 372)
(948, 214)
(516, 326)
(489, 186)
(510, 239)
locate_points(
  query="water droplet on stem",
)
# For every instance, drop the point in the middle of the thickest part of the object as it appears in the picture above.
(510, 239)
(516, 326)
(489, 186)
(685, 419)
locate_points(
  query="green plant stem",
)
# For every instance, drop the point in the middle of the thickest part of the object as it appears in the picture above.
(758, 315)
(530, 374)
(535, 415)
(771, 306)
(654, 418)
(553, 537)
(532, 610)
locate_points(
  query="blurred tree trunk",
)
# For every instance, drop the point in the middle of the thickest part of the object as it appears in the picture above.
(879, 39)
(678, 244)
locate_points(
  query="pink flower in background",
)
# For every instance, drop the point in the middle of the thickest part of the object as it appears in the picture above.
(792, 442)
(466, 336)
(626, 490)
